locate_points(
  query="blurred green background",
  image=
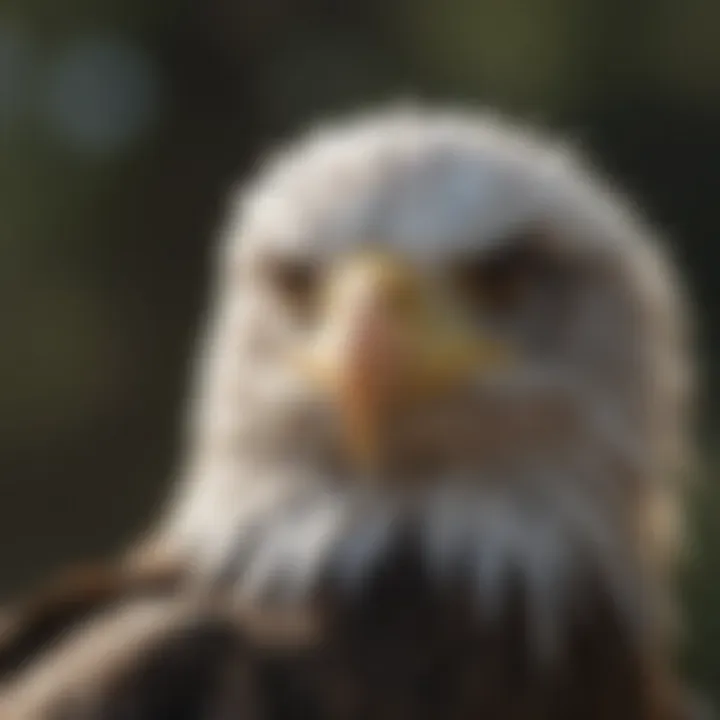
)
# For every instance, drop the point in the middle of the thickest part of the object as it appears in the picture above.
(123, 124)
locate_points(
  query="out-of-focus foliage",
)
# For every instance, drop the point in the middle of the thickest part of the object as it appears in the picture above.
(123, 124)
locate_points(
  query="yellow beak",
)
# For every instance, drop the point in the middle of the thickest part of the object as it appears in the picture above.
(387, 339)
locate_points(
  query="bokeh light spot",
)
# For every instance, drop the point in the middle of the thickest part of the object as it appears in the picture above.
(103, 94)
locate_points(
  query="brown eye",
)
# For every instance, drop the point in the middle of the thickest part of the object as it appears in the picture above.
(492, 282)
(295, 281)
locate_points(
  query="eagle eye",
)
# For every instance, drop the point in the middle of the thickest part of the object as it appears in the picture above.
(494, 282)
(295, 280)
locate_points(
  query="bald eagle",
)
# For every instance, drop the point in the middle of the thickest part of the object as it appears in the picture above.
(432, 459)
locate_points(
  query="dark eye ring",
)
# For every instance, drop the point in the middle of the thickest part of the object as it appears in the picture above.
(494, 281)
(295, 280)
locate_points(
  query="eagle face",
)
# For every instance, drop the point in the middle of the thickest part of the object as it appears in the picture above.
(435, 319)
(402, 360)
